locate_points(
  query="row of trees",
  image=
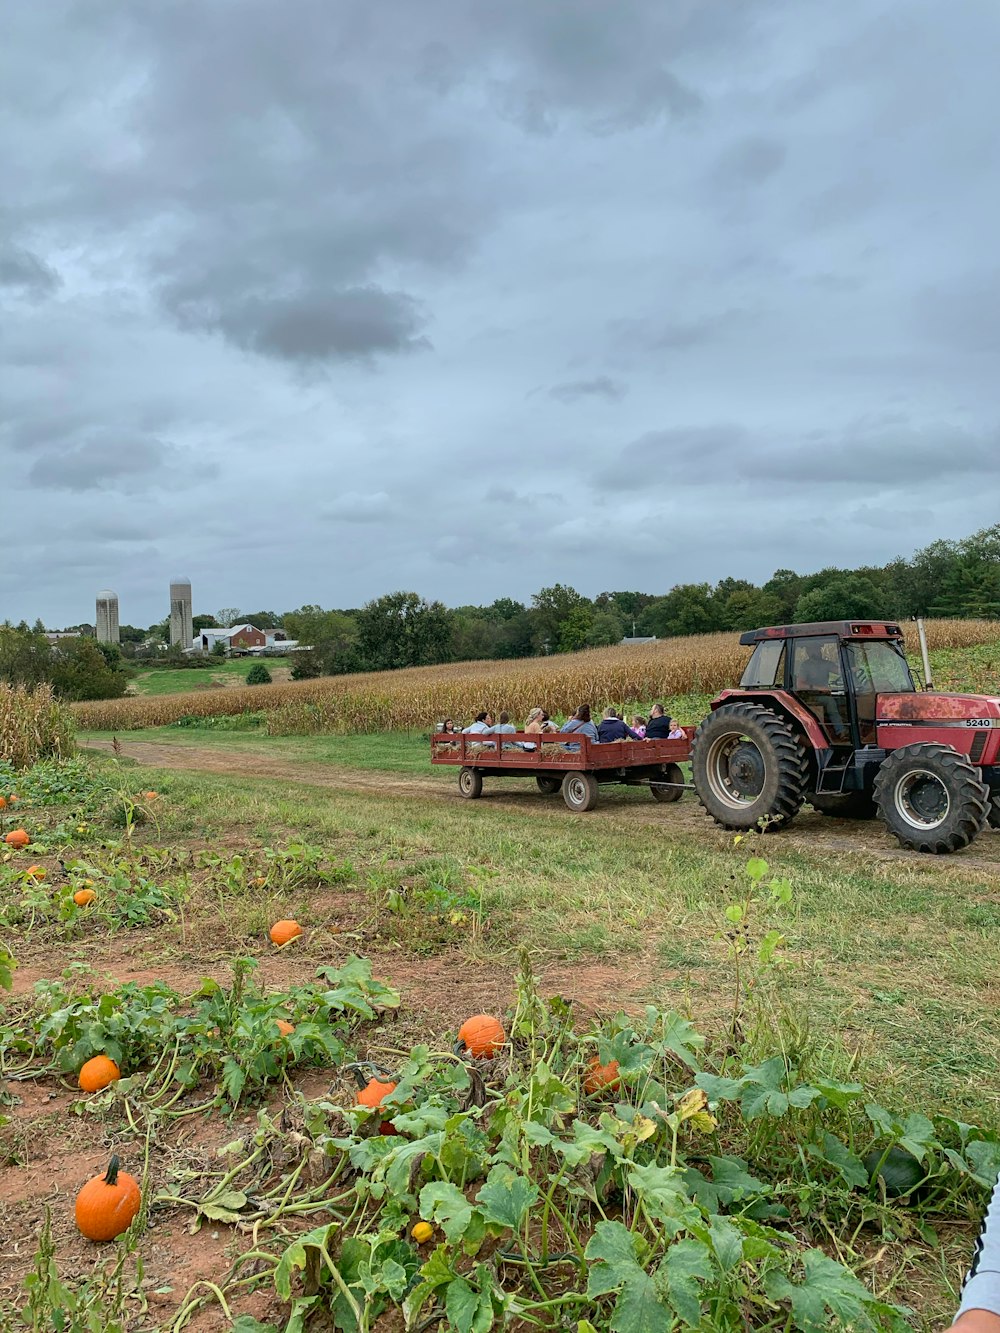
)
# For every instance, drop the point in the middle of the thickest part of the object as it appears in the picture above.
(948, 578)
(78, 668)
(401, 629)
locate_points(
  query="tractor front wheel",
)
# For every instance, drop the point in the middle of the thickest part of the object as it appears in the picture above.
(749, 766)
(931, 798)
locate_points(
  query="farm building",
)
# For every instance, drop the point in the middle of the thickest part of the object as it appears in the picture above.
(239, 639)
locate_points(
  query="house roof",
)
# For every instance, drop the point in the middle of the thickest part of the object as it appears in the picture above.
(223, 631)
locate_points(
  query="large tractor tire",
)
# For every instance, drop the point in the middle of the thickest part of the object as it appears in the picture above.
(749, 766)
(548, 786)
(673, 775)
(845, 805)
(994, 813)
(931, 798)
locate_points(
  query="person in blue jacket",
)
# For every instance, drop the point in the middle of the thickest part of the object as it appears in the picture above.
(580, 721)
(979, 1310)
(612, 728)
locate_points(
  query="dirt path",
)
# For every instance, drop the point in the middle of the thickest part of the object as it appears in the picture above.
(811, 832)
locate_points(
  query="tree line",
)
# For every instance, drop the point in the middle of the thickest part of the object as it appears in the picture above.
(947, 578)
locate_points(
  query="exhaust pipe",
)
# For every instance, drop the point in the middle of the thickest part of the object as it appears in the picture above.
(928, 683)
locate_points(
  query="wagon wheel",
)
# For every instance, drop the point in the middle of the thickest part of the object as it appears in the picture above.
(470, 783)
(580, 791)
(667, 794)
(547, 786)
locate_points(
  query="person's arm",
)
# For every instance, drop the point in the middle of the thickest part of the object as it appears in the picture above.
(633, 735)
(979, 1310)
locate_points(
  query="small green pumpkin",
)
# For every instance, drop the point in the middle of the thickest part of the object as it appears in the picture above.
(900, 1171)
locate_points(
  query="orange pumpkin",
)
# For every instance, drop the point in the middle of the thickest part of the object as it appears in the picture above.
(17, 838)
(284, 1027)
(3, 803)
(283, 931)
(36, 872)
(13, 800)
(83, 897)
(107, 1204)
(601, 1077)
(98, 1072)
(150, 795)
(482, 1036)
(374, 1093)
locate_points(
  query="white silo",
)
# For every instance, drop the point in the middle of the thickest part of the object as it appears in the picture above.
(181, 629)
(107, 617)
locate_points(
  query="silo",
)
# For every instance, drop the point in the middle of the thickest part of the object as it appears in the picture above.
(107, 617)
(181, 630)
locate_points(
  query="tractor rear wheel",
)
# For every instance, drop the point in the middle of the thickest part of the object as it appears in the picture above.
(749, 766)
(470, 783)
(671, 774)
(845, 805)
(547, 786)
(931, 798)
(994, 813)
(580, 791)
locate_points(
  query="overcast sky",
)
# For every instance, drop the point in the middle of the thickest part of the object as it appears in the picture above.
(309, 301)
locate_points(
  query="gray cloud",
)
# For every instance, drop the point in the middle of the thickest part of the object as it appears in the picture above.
(353, 324)
(359, 507)
(382, 270)
(601, 386)
(751, 161)
(109, 464)
(25, 272)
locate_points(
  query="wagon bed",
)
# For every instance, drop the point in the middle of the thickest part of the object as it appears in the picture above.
(566, 762)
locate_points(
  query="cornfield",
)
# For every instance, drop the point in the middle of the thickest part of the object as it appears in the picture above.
(33, 726)
(419, 696)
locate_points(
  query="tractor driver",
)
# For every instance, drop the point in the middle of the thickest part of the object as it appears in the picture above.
(813, 668)
(816, 673)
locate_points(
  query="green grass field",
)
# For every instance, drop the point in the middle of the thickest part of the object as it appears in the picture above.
(167, 680)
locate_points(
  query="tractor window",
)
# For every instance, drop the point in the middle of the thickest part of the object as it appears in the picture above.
(818, 681)
(816, 664)
(766, 668)
(878, 667)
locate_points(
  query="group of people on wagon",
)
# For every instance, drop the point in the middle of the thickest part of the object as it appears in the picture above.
(612, 726)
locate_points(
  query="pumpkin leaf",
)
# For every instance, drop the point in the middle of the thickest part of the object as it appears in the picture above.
(616, 1257)
(827, 1290)
(470, 1309)
(506, 1198)
(445, 1204)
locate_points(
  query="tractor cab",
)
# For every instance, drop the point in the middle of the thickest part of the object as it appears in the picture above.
(835, 669)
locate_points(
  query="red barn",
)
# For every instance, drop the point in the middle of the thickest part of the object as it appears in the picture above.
(242, 637)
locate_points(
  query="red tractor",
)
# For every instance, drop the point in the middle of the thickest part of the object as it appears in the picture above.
(829, 713)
